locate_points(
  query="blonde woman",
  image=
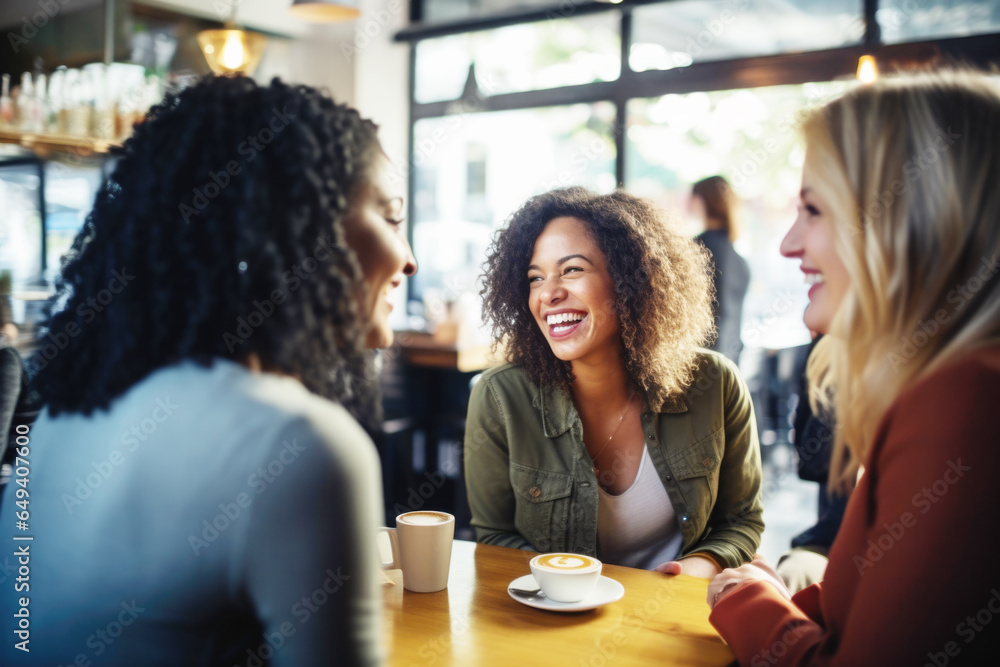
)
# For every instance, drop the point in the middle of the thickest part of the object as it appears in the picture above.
(611, 433)
(898, 234)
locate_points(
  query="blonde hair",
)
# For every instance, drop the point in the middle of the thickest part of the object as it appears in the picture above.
(909, 168)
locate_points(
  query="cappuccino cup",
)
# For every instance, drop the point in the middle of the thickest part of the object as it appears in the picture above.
(566, 577)
(421, 547)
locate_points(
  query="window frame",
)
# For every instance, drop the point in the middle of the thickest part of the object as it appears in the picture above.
(752, 72)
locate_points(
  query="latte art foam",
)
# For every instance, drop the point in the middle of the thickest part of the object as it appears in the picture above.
(565, 562)
(423, 518)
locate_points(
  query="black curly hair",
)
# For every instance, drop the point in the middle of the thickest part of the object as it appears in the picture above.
(218, 234)
(661, 280)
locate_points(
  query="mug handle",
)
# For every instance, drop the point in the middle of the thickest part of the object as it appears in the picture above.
(393, 548)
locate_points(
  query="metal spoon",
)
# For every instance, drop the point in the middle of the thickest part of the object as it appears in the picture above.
(527, 592)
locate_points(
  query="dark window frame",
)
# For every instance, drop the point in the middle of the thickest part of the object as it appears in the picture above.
(753, 72)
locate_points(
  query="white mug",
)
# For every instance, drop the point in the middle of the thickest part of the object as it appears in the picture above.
(421, 547)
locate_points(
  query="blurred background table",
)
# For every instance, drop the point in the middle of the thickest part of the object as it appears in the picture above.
(661, 620)
(426, 382)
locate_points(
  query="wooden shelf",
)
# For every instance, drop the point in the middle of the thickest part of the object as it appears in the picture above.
(44, 144)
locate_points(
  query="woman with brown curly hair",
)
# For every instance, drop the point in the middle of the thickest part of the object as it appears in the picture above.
(610, 432)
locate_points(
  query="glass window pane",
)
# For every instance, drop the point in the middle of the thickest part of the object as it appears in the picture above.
(675, 34)
(531, 56)
(750, 138)
(69, 195)
(915, 20)
(20, 225)
(450, 10)
(472, 171)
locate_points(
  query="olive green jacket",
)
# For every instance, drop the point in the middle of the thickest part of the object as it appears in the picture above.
(531, 483)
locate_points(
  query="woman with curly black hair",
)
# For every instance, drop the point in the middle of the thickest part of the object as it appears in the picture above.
(201, 492)
(610, 432)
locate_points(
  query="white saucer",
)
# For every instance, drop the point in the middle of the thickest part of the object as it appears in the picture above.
(606, 591)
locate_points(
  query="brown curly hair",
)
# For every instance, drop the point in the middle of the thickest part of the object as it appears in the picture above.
(662, 286)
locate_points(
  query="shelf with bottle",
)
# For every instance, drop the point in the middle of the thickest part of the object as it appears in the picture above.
(89, 109)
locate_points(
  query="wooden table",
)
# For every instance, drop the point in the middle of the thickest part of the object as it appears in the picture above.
(662, 620)
(423, 349)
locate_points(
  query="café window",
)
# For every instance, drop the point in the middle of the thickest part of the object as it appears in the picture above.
(510, 99)
(473, 170)
(913, 20)
(680, 33)
(531, 56)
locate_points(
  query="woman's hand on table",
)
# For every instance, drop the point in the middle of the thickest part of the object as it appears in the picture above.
(731, 578)
(694, 566)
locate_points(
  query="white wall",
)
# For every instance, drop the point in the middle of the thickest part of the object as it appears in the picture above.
(267, 15)
(314, 59)
(356, 61)
(381, 68)
(381, 92)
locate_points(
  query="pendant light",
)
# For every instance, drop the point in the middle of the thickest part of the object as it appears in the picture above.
(867, 69)
(232, 50)
(870, 43)
(325, 11)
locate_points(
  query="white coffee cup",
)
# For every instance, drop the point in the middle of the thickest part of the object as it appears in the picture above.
(421, 547)
(565, 577)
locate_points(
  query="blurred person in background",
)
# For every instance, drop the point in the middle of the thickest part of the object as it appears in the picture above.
(898, 237)
(13, 378)
(610, 433)
(202, 491)
(805, 563)
(714, 203)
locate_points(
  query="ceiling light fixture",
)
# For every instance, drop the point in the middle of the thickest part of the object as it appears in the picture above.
(325, 11)
(870, 43)
(867, 69)
(232, 50)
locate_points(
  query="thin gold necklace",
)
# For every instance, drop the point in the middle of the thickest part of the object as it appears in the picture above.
(621, 420)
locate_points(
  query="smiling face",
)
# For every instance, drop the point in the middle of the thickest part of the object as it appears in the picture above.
(571, 293)
(812, 239)
(374, 230)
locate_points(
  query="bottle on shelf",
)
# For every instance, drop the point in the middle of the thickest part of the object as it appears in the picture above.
(78, 107)
(56, 101)
(6, 104)
(27, 105)
(41, 108)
